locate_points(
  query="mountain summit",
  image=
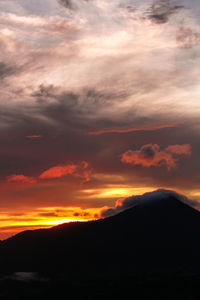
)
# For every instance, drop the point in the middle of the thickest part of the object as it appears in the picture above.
(153, 237)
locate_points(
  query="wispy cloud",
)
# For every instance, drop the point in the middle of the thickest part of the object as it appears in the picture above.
(20, 178)
(58, 171)
(80, 170)
(34, 136)
(150, 127)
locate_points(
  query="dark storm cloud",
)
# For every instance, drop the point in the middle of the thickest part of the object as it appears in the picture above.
(187, 37)
(161, 10)
(164, 195)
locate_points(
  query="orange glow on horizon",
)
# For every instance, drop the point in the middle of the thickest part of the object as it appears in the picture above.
(63, 221)
(46, 217)
(112, 191)
(15, 228)
(12, 222)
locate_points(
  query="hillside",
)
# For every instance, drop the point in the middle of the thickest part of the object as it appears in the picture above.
(156, 237)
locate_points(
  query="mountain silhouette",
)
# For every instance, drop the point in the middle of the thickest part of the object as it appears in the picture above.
(153, 238)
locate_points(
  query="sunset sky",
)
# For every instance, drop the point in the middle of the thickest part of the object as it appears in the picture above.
(99, 100)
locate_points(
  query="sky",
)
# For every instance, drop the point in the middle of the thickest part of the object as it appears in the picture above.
(99, 101)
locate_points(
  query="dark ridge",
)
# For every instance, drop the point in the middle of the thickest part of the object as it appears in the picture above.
(153, 239)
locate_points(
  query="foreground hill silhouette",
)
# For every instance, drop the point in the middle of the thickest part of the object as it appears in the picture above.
(154, 238)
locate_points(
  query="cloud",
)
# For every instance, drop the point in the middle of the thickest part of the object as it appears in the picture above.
(187, 37)
(67, 3)
(82, 214)
(134, 129)
(20, 178)
(151, 155)
(83, 171)
(180, 149)
(45, 26)
(58, 171)
(34, 136)
(131, 9)
(6, 70)
(79, 170)
(161, 10)
(66, 212)
(126, 203)
(70, 4)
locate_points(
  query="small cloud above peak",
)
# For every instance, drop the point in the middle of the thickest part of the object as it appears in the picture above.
(147, 198)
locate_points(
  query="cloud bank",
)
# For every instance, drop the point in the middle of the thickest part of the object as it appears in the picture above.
(159, 195)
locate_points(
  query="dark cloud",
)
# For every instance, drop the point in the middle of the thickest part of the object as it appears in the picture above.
(131, 9)
(45, 91)
(159, 195)
(67, 3)
(70, 4)
(49, 214)
(65, 109)
(63, 128)
(187, 38)
(82, 214)
(6, 70)
(149, 151)
(161, 10)
(74, 109)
